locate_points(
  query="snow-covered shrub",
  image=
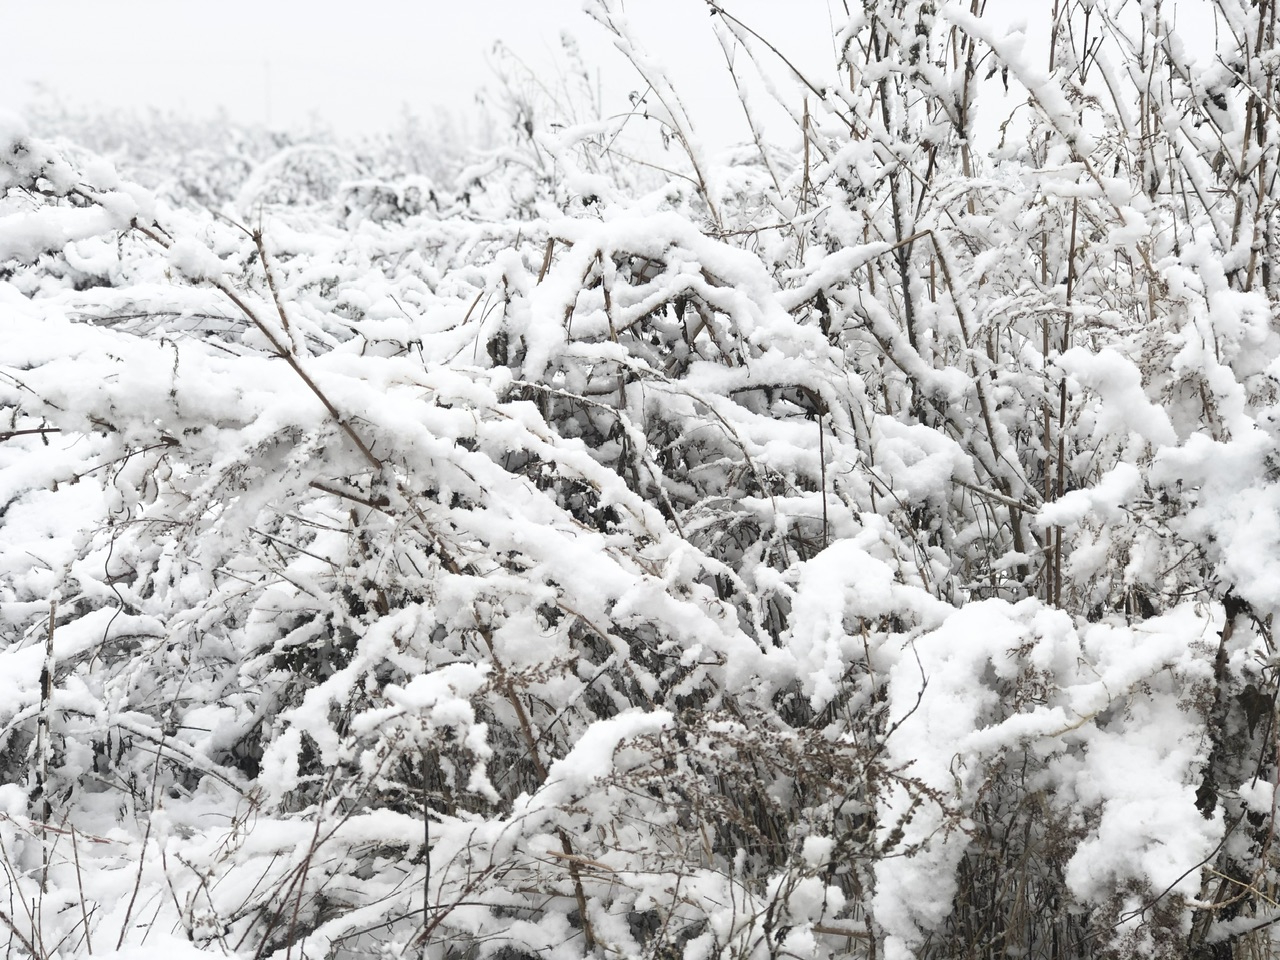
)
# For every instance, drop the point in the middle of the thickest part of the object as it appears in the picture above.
(867, 547)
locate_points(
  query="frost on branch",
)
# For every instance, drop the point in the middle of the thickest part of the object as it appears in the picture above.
(863, 547)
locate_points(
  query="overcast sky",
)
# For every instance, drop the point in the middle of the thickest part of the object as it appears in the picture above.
(357, 66)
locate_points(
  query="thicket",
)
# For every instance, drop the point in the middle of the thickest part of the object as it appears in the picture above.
(863, 547)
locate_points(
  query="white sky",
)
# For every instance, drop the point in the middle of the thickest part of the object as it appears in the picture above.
(355, 66)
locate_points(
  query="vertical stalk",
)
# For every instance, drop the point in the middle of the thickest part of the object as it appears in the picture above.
(1048, 415)
(1062, 400)
(970, 68)
(902, 251)
(822, 464)
(426, 856)
(43, 745)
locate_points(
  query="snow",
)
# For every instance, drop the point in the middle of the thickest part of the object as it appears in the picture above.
(194, 260)
(596, 556)
(1104, 501)
(24, 236)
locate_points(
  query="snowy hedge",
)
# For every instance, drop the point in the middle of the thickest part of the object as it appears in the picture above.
(867, 547)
